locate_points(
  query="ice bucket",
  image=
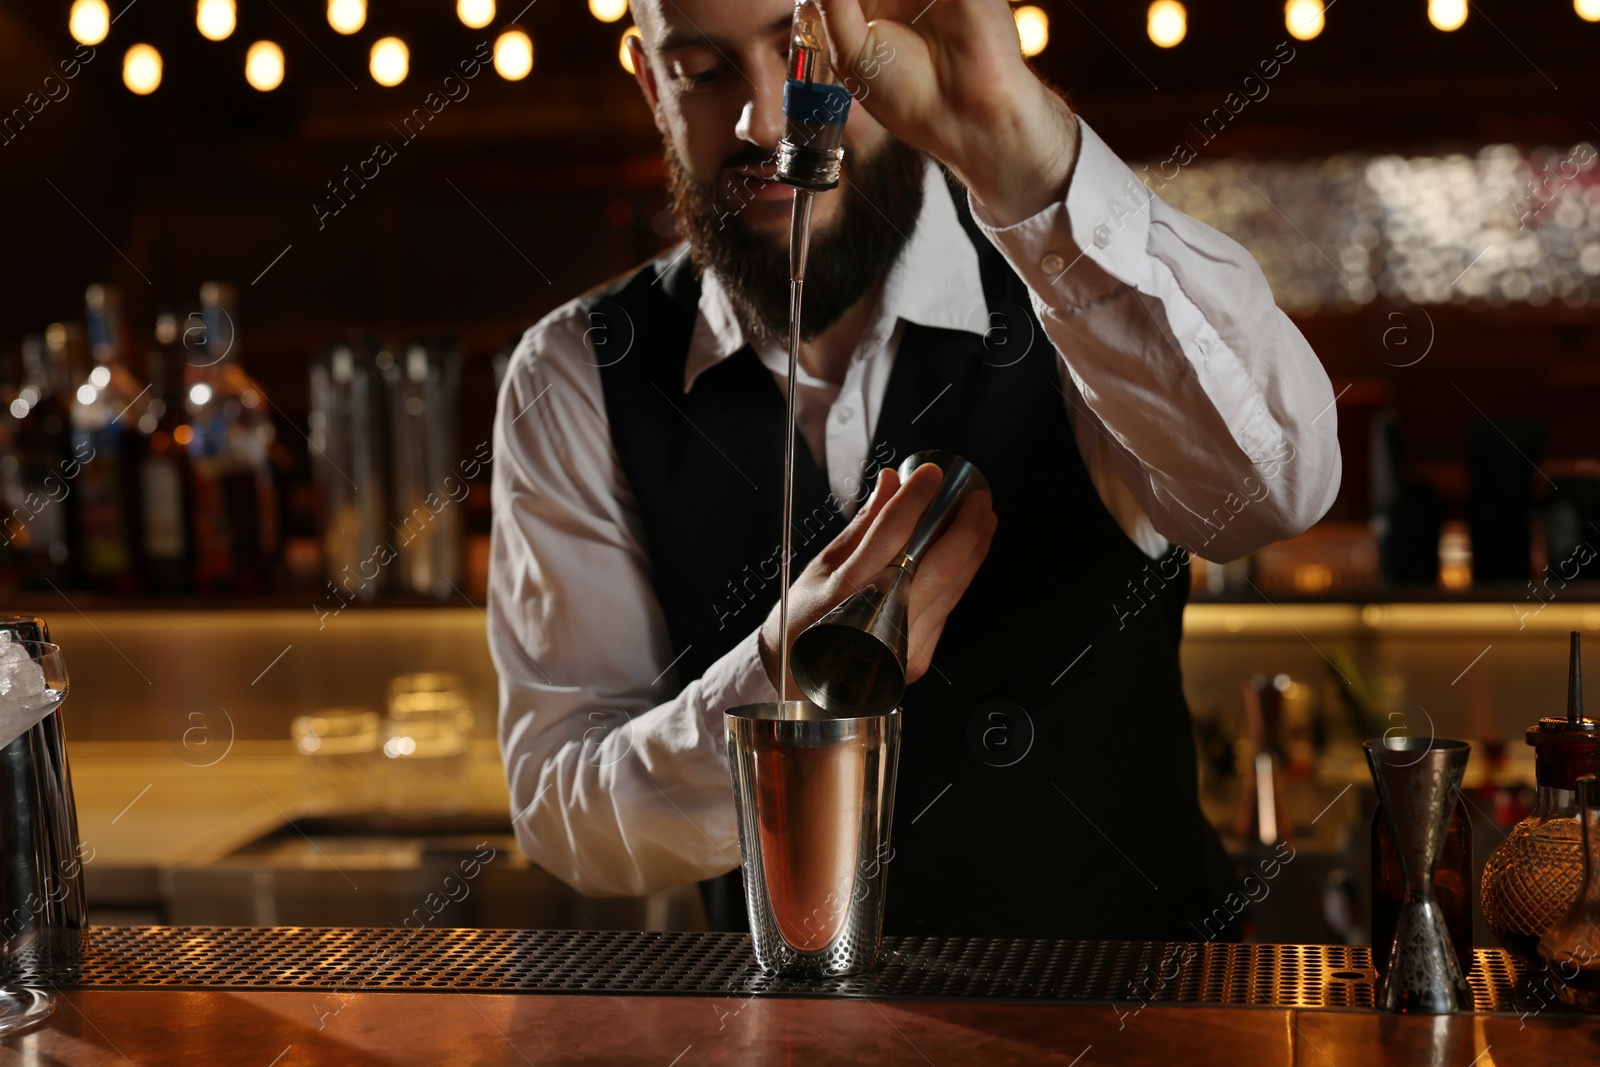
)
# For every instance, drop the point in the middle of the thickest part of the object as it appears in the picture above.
(815, 797)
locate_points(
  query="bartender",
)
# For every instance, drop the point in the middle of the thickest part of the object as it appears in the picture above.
(988, 278)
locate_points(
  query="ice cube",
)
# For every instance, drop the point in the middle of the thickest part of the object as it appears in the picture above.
(22, 684)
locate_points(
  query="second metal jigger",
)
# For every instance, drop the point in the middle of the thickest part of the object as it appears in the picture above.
(1417, 781)
(853, 661)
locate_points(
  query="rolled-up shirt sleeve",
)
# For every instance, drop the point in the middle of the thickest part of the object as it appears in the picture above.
(1216, 412)
(618, 775)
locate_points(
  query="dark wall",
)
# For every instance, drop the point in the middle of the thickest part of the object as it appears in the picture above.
(517, 196)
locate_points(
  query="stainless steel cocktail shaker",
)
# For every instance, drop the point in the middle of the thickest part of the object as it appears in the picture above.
(815, 799)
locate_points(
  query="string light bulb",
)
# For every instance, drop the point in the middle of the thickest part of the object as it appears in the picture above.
(263, 66)
(1167, 23)
(391, 61)
(1033, 29)
(513, 54)
(347, 16)
(89, 21)
(1447, 15)
(624, 53)
(1304, 18)
(475, 14)
(216, 19)
(608, 10)
(141, 69)
(1588, 10)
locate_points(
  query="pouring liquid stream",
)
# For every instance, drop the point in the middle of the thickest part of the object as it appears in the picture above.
(799, 245)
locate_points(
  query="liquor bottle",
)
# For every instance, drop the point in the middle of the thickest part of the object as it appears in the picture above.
(1533, 877)
(236, 515)
(104, 422)
(168, 543)
(41, 514)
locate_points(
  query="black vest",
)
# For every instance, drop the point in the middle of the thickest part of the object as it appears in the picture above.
(1047, 769)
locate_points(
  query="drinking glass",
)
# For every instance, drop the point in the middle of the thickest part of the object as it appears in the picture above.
(21, 1006)
(426, 739)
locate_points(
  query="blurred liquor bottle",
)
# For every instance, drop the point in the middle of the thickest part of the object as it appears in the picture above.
(41, 508)
(1407, 516)
(10, 486)
(107, 401)
(1503, 455)
(164, 475)
(236, 517)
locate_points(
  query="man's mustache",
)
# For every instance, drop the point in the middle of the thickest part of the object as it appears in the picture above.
(751, 156)
(860, 244)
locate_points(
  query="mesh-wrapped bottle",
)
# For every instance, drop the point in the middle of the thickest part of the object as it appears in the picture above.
(1535, 875)
(1571, 948)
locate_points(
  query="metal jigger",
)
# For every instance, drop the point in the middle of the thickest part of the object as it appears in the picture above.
(853, 660)
(1417, 781)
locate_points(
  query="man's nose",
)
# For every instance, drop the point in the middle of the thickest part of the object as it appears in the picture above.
(761, 121)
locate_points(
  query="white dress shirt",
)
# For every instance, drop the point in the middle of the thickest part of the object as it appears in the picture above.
(1193, 399)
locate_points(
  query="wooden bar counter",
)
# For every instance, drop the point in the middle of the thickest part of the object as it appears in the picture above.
(286, 996)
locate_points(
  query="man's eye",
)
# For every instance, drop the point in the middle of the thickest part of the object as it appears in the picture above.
(690, 80)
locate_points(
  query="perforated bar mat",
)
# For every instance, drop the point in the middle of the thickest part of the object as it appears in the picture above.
(722, 965)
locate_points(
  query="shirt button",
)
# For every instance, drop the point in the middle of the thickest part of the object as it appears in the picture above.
(1102, 235)
(1052, 264)
(845, 414)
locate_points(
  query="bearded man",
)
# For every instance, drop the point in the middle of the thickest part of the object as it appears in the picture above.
(988, 278)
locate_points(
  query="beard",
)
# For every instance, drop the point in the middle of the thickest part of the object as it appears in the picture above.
(880, 199)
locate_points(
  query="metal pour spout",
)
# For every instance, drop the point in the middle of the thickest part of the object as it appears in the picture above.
(815, 107)
(853, 660)
(1575, 682)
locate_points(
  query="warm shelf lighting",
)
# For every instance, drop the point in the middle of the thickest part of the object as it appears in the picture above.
(513, 54)
(347, 16)
(391, 60)
(1447, 15)
(475, 14)
(1455, 556)
(1167, 22)
(89, 21)
(1303, 18)
(216, 19)
(141, 69)
(263, 66)
(1588, 10)
(608, 10)
(624, 53)
(1033, 29)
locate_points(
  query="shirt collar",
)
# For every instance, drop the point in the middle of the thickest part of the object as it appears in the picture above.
(932, 283)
